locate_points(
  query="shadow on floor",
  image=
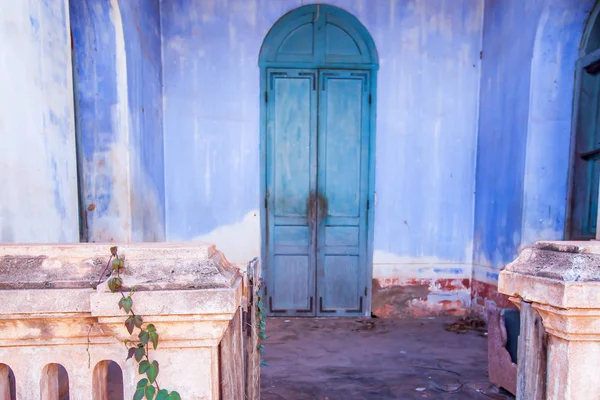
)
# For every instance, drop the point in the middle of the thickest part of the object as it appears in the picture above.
(354, 359)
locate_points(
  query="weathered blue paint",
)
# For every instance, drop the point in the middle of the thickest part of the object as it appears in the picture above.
(430, 222)
(96, 98)
(332, 231)
(38, 176)
(344, 138)
(141, 26)
(319, 36)
(291, 149)
(503, 117)
(425, 138)
(118, 78)
(529, 55)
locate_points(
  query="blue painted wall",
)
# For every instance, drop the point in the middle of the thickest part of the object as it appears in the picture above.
(472, 155)
(141, 26)
(38, 172)
(529, 54)
(118, 96)
(508, 39)
(425, 138)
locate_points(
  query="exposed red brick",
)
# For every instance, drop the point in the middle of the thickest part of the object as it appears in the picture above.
(394, 297)
(489, 292)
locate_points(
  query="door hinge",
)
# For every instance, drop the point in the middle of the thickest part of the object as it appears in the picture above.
(266, 97)
(370, 98)
(266, 203)
(365, 291)
(368, 204)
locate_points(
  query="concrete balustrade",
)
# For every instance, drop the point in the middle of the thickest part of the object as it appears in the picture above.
(54, 325)
(560, 282)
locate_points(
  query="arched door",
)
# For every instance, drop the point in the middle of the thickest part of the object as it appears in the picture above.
(318, 77)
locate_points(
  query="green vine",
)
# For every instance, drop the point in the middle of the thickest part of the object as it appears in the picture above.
(262, 325)
(139, 350)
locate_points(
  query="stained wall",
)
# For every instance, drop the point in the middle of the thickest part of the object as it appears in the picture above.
(118, 98)
(426, 136)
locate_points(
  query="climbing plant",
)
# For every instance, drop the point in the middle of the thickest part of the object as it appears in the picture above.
(261, 323)
(137, 350)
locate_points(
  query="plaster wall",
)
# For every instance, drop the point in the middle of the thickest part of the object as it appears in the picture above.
(38, 173)
(117, 57)
(426, 136)
(528, 68)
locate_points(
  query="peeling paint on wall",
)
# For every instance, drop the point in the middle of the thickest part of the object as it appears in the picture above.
(426, 139)
(420, 286)
(240, 241)
(119, 113)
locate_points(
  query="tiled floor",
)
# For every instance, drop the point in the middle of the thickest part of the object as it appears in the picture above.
(353, 359)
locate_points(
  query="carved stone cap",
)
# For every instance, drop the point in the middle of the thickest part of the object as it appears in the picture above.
(149, 266)
(560, 274)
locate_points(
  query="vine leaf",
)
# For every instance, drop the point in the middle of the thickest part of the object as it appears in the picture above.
(144, 367)
(142, 383)
(154, 339)
(150, 391)
(139, 394)
(152, 371)
(140, 352)
(116, 264)
(126, 303)
(131, 352)
(113, 251)
(174, 396)
(162, 394)
(115, 284)
(129, 324)
(144, 336)
(137, 321)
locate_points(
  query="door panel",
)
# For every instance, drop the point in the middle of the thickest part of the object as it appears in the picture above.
(342, 169)
(291, 178)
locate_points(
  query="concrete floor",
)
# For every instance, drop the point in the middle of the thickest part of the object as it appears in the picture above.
(353, 359)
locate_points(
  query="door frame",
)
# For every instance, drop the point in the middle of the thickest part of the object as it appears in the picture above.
(266, 60)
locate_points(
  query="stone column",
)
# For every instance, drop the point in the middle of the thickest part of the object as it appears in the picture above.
(561, 280)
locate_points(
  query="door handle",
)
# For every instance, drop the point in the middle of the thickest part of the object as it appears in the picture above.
(323, 207)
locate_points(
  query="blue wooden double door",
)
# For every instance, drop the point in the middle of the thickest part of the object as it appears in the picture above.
(317, 191)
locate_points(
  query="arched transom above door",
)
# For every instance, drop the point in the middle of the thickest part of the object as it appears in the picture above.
(318, 36)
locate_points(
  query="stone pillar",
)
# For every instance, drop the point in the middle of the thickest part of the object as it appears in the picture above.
(561, 280)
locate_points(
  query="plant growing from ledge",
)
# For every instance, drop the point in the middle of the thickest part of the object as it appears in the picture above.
(139, 350)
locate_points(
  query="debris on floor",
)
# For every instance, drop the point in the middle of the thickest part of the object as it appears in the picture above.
(466, 324)
(378, 359)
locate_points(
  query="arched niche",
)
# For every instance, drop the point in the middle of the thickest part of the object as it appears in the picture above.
(550, 116)
(7, 383)
(54, 383)
(319, 36)
(108, 381)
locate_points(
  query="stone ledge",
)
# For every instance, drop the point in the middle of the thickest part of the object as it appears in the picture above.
(561, 274)
(149, 266)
